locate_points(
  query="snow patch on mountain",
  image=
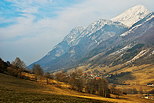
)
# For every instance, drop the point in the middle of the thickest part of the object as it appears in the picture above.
(122, 50)
(59, 53)
(74, 35)
(130, 31)
(139, 55)
(152, 52)
(95, 26)
(132, 15)
(150, 18)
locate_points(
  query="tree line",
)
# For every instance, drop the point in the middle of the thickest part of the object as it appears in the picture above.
(83, 83)
(16, 67)
(78, 80)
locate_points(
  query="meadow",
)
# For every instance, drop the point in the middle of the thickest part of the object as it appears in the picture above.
(15, 90)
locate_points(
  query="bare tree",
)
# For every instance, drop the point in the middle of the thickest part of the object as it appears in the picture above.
(37, 70)
(61, 76)
(19, 63)
(76, 80)
(47, 76)
(98, 86)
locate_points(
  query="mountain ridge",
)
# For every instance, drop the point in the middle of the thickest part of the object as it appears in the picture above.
(101, 36)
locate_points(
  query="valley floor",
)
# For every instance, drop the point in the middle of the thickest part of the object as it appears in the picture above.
(14, 90)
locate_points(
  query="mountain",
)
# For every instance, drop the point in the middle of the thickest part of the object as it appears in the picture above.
(131, 58)
(104, 42)
(61, 48)
(132, 15)
(77, 44)
(128, 48)
(75, 35)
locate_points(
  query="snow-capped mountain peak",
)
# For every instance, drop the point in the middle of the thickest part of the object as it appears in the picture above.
(132, 15)
(139, 23)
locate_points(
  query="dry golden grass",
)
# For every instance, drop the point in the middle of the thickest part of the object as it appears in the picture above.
(15, 90)
(42, 92)
(143, 74)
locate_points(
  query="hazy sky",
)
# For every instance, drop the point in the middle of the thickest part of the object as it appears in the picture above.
(29, 29)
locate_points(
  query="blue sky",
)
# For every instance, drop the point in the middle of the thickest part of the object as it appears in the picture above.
(29, 29)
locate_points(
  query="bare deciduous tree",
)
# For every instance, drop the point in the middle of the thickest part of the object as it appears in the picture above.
(19, 63)
(37, 70)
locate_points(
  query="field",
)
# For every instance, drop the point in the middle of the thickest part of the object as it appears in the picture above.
(15, 90)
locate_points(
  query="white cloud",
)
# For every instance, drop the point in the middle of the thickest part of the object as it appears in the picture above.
(31, 10)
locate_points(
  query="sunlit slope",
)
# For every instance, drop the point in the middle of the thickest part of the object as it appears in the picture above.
(15, 90)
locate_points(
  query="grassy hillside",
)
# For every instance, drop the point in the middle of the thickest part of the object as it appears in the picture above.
(14, 90)
(139, 74)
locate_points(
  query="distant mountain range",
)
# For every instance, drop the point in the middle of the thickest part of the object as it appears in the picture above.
(126, 39)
